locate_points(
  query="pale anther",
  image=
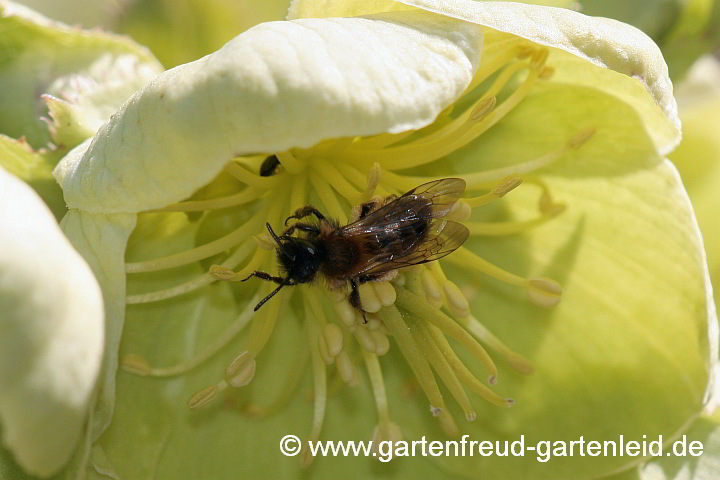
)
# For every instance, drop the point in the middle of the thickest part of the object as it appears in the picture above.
(483, 108)
(581, 137)
(345, 312)
(365, 339)
(135, 364)
(544, 292)
(385, 293)
(459, 212)
(456, 301)
(369, 299)
(511, 182)
(241, 370)
(333, 338)
(382, 343)
(433, 292)
(345, 368)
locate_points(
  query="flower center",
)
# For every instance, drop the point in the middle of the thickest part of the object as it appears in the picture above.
(419, 308)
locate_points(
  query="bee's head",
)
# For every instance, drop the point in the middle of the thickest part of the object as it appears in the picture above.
(299, 258)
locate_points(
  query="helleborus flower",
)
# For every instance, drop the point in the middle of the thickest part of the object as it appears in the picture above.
(51, 334)
(585, 260)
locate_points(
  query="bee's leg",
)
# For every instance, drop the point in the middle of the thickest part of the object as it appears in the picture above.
(303, 227)
(355, 299)
(306, 211)
(268, 277)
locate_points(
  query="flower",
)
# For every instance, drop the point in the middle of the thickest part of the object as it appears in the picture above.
(51, 333)
(578, 108)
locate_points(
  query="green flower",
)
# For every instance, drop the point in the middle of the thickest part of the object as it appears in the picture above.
(50, 334)
(558, 123)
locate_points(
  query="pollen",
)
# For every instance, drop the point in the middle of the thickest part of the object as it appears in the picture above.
(414, 310)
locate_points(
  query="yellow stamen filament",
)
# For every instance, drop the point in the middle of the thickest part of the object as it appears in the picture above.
(319, 393)
(517, 361)
(339, 183)
(467, 260)
(328, 198)
(204, 251)
(138, 365)
(264, 322)
(291, 163)
(226, 272)
(246, 196)
(419, 307)
(457, 133)
(462, 372)
(202, 280)
(499, 190)
(441, 366)
(252, 179)
(410, 350)
(378, 386)
(511, 228)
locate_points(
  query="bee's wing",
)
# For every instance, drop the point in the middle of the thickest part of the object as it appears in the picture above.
(390, 234)
(444, 238)
(441, 193)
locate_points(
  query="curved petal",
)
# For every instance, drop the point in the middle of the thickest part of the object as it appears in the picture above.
(630, 348)
(51, 333)
(593, 42)
(279, 85)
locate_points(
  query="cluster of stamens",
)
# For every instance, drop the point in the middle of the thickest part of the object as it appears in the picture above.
(419, 308)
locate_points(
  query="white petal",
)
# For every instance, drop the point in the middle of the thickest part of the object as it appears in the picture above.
(594, 41)
(51, 333)
(277, 86)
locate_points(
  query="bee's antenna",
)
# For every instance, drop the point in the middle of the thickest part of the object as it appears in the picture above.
(271, 294)
(277, 240)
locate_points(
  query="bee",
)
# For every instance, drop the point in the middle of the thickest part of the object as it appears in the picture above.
(386, 234)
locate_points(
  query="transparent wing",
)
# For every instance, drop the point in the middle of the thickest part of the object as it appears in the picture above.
(410, 229)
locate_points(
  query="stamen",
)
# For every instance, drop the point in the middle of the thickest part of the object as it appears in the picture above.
(345, 312)
(385, 293)
(441, 366)
(337, 181)
(365, 339)
(225, 273)
(241, 370)
(369, 299)
(475, 327)
(204, 251)
(373, 179)
(419, 307)
(291, 163)
(462, 372)
(206, 395)
(459, 212)
(544, 292)
(392, 318)
(499, 190)
(320, 394)
(328, 198)
(511, 228)
(378, 386)
(202, 280)
(345, 368)
(246, 196)
(457, 133)
(478, 180)
(252, 179)
(139, 366)
(432, 289)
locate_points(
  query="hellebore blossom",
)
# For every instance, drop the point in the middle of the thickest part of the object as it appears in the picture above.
(51, 333)
(585, 275)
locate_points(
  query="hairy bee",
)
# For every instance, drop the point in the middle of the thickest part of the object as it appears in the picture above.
(388, 234)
